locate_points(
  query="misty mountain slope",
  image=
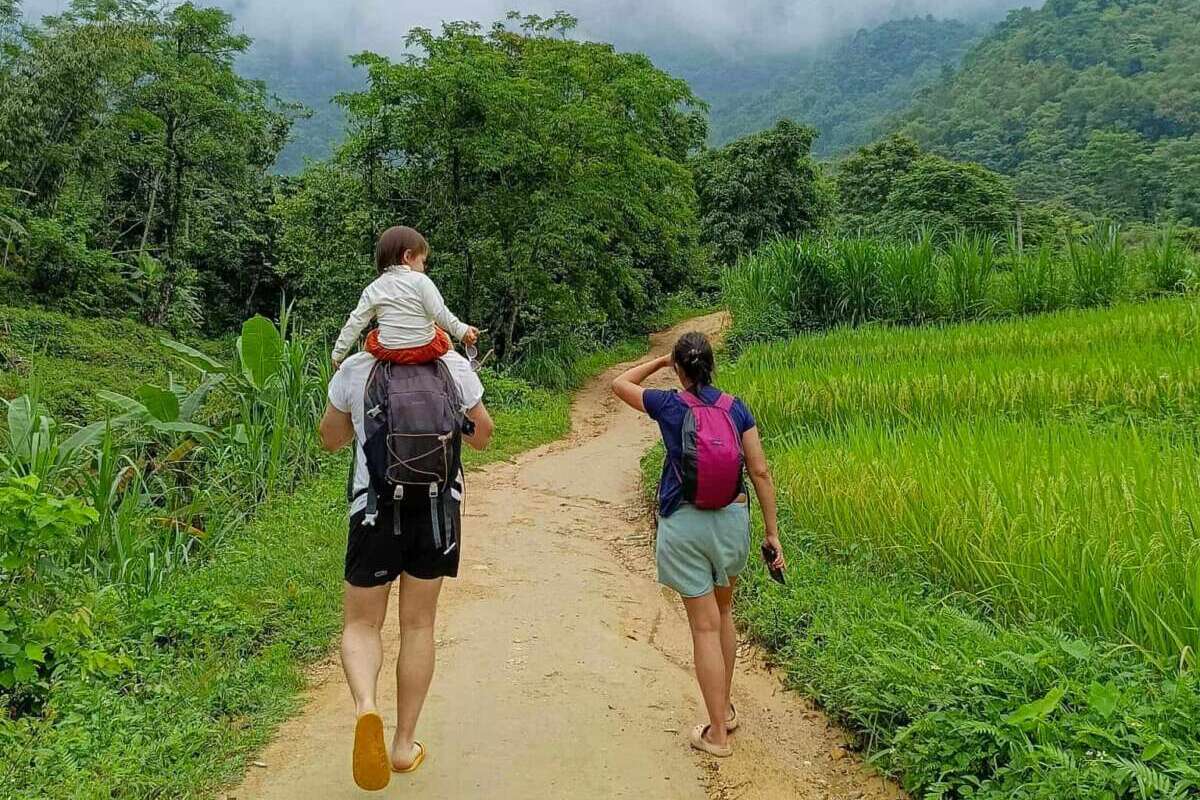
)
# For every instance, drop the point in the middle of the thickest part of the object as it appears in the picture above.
(847, 89)
(313, 78)
(1096, 102)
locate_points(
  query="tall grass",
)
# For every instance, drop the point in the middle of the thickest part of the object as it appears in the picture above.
(563, 365)
(909, 279)
(1036, 282)
(1047, 465)
(784, 287)
(856, 267)
(1099, 266)
(1167, 263)
(969, 264)
(793, 286)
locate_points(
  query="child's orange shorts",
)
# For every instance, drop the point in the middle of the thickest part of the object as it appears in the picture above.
(425, 354)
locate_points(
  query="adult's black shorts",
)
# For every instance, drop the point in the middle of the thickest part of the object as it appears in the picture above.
(378, 554)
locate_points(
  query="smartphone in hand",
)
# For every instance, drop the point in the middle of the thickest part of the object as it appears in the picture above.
(769, 555)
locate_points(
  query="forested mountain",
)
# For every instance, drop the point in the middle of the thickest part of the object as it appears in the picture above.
(847, 89)
(312, 79)
(1096, 102)
(844, 88)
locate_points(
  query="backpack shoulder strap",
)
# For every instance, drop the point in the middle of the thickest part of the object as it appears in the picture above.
(690, 399)
(724, 402)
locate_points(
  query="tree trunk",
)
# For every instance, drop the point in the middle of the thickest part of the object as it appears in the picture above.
(150, 213)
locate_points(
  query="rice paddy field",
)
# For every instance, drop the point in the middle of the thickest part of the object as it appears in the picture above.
(995, 563)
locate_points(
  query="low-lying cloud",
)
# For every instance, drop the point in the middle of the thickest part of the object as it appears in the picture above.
(778, 25)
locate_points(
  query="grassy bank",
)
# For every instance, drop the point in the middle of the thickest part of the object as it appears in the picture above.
(993, 574)
(66, 360)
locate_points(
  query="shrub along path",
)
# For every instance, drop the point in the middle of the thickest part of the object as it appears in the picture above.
(562, 672)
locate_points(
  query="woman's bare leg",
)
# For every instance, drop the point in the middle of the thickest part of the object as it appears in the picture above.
(729, 644)
(414, 666)
(364, 610)
(704, 618)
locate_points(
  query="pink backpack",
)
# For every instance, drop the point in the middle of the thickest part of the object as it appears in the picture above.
(712, 453)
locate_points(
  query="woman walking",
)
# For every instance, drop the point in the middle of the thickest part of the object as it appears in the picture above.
(703, 541)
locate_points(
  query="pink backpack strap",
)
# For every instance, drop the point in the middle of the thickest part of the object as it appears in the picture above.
(691, 400)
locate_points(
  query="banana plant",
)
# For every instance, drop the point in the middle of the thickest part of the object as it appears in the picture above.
(273, 386)
(37, 444)
(170, 410)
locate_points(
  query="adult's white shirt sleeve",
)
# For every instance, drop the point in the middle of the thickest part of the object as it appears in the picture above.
(469, 385)
(435, 307)
(359, 317)
(339, 391)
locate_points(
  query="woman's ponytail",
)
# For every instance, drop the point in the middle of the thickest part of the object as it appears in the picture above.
(693, 355)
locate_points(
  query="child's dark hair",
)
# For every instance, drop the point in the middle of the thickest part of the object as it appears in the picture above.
(694, 355)
(394, 243)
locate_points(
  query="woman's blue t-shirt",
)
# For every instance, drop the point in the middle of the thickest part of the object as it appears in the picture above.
(668, 411)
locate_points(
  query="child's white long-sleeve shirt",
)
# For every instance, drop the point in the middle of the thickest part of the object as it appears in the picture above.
(406, 305)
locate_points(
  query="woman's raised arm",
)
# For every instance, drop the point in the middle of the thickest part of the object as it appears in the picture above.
(628, 385)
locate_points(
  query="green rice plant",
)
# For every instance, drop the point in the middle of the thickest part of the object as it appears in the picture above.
(1167, 263)
(1044, 464)
(968, 264)
(1050, 521)
(1100, 270)
(909, 279)
(856, 276)
(1134, 361)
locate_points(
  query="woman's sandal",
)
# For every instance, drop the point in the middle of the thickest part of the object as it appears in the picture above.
(705, 746)
(372, 764)
(420, 759)
(732, 724)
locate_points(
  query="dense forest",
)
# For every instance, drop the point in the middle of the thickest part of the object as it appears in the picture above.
(135, 165)
(565, 185)
(1090, 101)
(847, 90)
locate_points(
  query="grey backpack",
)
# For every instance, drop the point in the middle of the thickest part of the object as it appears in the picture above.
(413, 425)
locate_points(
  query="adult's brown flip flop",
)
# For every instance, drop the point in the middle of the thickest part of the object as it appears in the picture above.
(372, 766)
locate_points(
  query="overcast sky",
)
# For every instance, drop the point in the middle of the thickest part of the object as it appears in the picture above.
(380, 25)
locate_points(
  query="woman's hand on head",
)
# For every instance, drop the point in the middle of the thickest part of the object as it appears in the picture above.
(628, 385)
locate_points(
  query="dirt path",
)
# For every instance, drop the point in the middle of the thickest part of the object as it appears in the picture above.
(562, 666)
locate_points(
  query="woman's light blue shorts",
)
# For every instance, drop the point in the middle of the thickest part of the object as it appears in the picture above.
(698, 550)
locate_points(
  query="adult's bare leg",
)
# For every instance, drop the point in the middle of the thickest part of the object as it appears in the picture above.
(414, 666)
(704, 618)
(729, 643)
(364, 610)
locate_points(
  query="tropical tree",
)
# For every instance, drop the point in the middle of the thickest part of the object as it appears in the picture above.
(759, 187)
(141, 160)
(550, 176)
